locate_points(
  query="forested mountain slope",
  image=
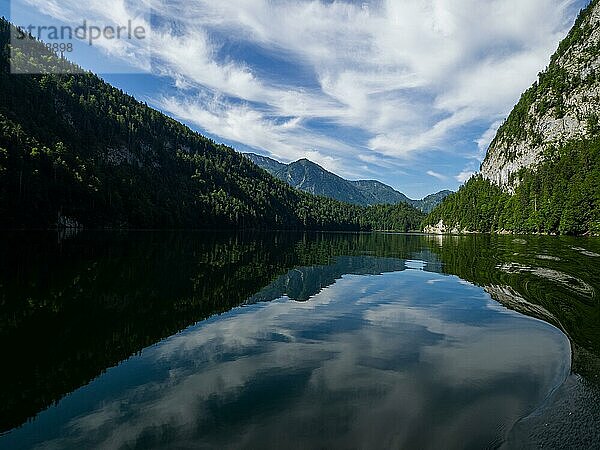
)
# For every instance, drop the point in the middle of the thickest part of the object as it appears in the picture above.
(542, 170)
(76, 151)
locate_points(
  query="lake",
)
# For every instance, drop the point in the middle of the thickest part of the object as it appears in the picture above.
(283, 340)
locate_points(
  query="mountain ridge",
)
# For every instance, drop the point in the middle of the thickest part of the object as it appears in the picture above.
(310, 177)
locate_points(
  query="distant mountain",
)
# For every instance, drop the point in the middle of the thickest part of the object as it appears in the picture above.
(430, 202)
(269, 164)
(377, 192)
(310, 177)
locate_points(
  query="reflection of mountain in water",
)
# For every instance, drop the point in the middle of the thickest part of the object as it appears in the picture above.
(302, 283)
(555, 280)
(71, 310)
(549, 278)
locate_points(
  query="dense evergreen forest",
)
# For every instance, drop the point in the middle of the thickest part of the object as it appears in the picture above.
(75, 150)
(561, 196)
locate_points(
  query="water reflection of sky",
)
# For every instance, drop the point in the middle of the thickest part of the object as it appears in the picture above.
(403, 359)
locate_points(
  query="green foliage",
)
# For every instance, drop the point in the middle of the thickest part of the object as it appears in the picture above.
(74, 146)
(477, 206)
(593, 124)
(400, 217)
(579, 33)
(554, 85)
(562, 195)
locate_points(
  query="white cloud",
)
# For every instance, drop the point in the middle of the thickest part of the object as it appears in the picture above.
(408, 75)
(486, 139)
(287, 140)
(464, 176)
(439, 176)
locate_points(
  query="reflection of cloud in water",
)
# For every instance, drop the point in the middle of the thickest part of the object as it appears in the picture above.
(387, 361)
(416, 264)
(302, 283)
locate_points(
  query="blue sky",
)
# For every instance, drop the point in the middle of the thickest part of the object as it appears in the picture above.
(409, 92)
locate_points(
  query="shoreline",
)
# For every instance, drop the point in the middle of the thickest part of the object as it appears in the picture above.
(442, 230)
(572, 411)
(428, 231)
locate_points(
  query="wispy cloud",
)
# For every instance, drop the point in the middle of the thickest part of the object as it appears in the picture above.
(464, 176)
(365, 81)
(286, 140)
(486, 138)
(439, 176)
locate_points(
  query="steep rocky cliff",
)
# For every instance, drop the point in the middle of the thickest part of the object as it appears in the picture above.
(561, 107)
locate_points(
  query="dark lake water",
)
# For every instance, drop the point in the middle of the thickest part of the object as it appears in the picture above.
(272, 340)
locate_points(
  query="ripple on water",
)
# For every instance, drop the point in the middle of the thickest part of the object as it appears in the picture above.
(568, 419)
(520, 241)
(548, 257)
(570, 282)
(585, 252)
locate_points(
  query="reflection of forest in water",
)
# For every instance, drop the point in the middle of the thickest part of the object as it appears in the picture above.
(553, 279)
(71, 309)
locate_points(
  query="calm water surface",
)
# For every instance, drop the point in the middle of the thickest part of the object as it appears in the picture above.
(196, 340)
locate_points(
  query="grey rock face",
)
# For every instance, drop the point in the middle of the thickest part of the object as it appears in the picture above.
(573, 112)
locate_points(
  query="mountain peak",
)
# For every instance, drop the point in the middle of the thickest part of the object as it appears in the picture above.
(308, 176)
